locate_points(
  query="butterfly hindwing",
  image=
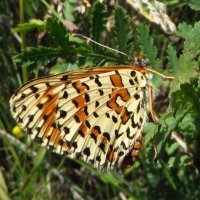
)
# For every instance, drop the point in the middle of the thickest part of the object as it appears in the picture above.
(94, 115)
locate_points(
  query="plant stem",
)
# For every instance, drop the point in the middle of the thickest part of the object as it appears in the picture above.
(23, 37)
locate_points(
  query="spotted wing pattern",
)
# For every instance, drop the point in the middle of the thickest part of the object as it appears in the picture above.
(95, 115)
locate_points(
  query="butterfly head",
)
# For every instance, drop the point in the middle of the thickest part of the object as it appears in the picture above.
(140, 61)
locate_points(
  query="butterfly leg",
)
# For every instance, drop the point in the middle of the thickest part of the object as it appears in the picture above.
(154, 118)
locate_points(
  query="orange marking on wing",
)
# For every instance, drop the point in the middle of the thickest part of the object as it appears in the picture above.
(135, 153)
(81, 115)
(111, 155)
(105, 140)
(51, 107)
(119, 109)
(116, 80)
(84, 128)
(55, 137)
(48, 110)
(112, 102)
(95, 132)
(79, 87)
(65, 147)
(125, 116)
(80, 100)
(137, 145)
(47, 127)
(123, 93)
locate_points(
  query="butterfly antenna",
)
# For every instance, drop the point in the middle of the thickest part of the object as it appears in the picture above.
(90, 40)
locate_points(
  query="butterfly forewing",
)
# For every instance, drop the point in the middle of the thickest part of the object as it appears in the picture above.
(95, 115)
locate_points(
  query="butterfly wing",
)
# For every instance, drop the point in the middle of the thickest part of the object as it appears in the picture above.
(94, 115)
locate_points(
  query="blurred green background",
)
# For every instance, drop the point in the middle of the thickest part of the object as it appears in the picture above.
(36, 40)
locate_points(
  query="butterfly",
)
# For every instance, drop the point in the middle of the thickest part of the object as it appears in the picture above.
(95, 114)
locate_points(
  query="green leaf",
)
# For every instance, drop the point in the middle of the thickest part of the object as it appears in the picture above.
(38, 57)
(168, 175)
(178, 101)
(182, 29)
(172, 58)
(110, 179)
(68, 10)
(172, 148)
(147, 46)
(39, 158)
(63, 67)
(192, 42)
(3, 188)
(179, 160)
(184, 71)
(33, 23)
(150, 130)
(167, 123)
(194, 4)
(122, 30)
(86, 166)
(187, 98)
(186, 64)
(58, 32)
(97, 21)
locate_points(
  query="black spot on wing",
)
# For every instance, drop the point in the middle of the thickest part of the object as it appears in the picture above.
(114, 119)
(63, 114)
(86, 86)
(76, 118)
(74, 144)
(94, 137)
(64, 78)
(87, 98)
(66, 130)
(136, 80)
(131, 82)
(34, 89)
(101, 92)
(75, 103)
(65, 95)
(96, 104)
(107, 135)
(81, 133)
(22, 96)
(40, 106)
(102, 147)
(96, 80)
(53, 125)
(86, 151)
(24, 108)
(37, 96)
(45, 117)
(129, 134)
(107, 115)
(95, 114)
(133, 73)
(31, 117)
(87, 124)
(98, 158)
(85, 109)
(136, 96)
